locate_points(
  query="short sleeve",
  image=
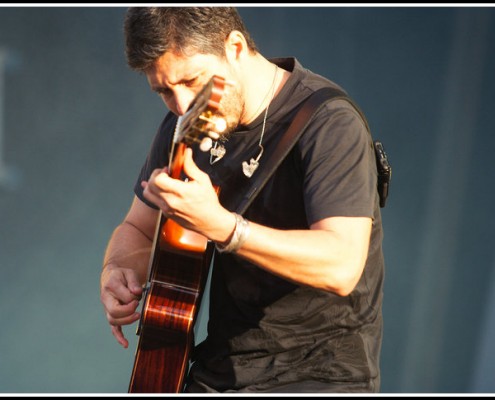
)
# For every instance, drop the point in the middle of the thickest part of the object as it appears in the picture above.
(338, 160)
(158, 155)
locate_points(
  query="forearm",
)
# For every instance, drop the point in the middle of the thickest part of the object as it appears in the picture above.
(322, 258)
(129, 248)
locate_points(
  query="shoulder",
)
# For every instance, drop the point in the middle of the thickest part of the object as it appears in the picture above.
(304, 83)
(163, 135)
(337, 127)
(167, 126)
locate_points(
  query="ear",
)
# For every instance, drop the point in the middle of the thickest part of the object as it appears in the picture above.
(235, 46)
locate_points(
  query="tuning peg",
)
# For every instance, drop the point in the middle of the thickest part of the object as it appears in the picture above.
(214, 135)
(206, 144)
(219, 124)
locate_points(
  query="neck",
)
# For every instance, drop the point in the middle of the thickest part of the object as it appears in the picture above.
(259, 95)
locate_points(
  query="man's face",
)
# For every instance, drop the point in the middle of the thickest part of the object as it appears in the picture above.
(178, 79)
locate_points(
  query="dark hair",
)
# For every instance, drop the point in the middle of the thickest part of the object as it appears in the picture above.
(152, 31)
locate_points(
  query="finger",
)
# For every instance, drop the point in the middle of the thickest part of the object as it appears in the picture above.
(125, 314)
(190, 167)
(120, 291)
(125, 320)
(165, 192)
(159, 171)
(118, 300)
(154, 195)
(157, 182)
(119, 335)
(162, 182)
(133, 283)
(122, 314)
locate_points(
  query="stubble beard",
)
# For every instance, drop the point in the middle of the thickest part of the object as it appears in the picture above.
(231, 109)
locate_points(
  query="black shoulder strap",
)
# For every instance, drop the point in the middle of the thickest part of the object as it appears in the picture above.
(298, 125)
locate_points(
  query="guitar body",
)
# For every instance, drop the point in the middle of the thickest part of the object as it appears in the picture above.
(177, 275)
(170, 309)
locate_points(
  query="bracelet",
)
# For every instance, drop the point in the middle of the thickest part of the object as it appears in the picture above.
(241, 232)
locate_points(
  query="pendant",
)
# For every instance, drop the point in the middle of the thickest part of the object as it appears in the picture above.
(248, 169)
(218, 152)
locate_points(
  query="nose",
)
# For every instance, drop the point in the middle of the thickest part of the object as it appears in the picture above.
(183, 99)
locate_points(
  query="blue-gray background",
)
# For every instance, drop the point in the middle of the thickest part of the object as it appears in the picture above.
(77, 124)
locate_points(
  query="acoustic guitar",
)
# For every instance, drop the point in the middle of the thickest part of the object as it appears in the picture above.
(178, 268)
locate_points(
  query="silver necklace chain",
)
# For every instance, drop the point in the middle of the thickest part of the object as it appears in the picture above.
(218, 151)
(249, 168)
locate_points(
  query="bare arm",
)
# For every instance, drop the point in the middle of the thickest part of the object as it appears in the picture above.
(125, 267)
(330, 256)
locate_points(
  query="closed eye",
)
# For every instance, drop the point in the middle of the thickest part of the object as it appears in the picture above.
(163, 91)
(190, 82)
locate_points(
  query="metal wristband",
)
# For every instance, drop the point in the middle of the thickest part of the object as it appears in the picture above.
(241, 232)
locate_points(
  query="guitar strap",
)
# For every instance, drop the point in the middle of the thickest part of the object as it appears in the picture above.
(298, 125)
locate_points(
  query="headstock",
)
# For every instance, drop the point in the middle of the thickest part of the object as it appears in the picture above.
(200, 124)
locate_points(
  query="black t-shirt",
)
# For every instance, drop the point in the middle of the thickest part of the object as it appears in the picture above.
(265, 332)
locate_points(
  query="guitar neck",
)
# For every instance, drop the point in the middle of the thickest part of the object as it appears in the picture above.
(177, 271)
